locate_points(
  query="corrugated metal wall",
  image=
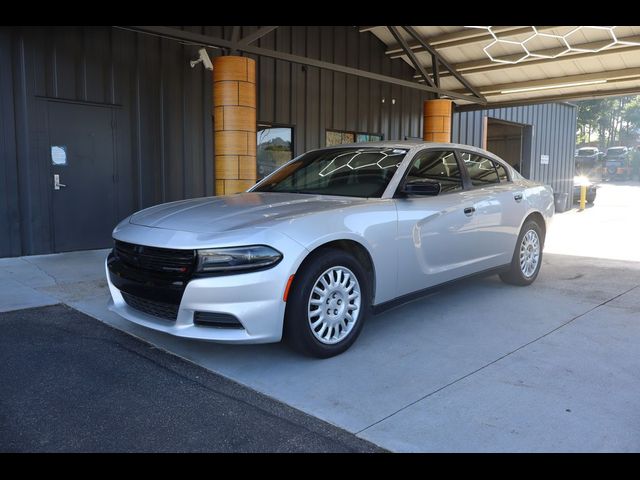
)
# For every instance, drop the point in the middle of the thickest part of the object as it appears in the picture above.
(163, 109)
(552, 132)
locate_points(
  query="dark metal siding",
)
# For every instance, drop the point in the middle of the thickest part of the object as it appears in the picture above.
(9, 205)
(314, 100)
(163, 109)
(552, 126)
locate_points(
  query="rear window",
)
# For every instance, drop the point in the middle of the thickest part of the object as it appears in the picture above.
(586, 151)
(616, 151)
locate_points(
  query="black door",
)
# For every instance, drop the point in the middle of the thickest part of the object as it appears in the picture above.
(82, 162)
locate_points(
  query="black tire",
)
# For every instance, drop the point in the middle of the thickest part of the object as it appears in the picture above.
(514, 275)
(297, 329)
(591, 199)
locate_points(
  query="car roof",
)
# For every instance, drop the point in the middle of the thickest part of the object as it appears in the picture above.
(408, 144)
(416, 144)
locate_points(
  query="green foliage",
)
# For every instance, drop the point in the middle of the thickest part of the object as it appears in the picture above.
(609, 121)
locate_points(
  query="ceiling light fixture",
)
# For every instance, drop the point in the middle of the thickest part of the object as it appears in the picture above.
(524, 51)
(548, 87)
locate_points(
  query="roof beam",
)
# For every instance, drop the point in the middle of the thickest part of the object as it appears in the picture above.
(555, 98)
(486, 65)
(416, 36)
(367, 29)
(416, 63)
(235, 36)
(257, 35)
(464, 37)
(206, 40)
(610, 76)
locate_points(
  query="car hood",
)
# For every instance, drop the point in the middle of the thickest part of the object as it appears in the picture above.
(234, 212)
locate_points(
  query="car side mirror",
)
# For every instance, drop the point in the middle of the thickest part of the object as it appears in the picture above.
(420, 187)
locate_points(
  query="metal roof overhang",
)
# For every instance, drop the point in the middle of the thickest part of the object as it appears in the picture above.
(515, 65)
(476, 67)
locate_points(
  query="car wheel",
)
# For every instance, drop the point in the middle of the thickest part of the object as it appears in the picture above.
(328, 304)
(527, 257)
(591, 199)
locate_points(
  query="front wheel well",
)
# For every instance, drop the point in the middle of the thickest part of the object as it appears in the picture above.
(356, 249)
(539, 219)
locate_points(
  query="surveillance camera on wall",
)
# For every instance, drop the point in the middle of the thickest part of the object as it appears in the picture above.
(204, 58)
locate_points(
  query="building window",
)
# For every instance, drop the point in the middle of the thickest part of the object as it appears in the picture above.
(338, 137)
(274, 149)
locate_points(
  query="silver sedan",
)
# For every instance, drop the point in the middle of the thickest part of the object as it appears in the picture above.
(313, 249)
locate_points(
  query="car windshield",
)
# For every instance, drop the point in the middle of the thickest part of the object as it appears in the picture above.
(616, 151)
(586, 151)
(347, 171)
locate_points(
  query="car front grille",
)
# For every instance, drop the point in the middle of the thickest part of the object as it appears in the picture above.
(162, 260)
(151, 307)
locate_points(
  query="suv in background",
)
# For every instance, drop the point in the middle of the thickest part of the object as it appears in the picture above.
(617, 164)
(587, 160)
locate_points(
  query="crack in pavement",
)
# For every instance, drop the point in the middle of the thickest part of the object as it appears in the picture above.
(55, 280)
(496, 360)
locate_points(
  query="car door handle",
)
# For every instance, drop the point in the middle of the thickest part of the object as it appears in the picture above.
(517, 197)
(469, 211)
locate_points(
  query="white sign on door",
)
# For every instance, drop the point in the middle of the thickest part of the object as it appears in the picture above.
(544, 159)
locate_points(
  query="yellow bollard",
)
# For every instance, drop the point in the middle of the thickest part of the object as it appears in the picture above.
(583, 197)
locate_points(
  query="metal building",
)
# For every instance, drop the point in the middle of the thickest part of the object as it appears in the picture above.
(97, 122)
(134, 105)
(536, 139)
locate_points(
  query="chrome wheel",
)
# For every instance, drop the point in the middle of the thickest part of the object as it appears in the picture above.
(334, 305)
(529, 253)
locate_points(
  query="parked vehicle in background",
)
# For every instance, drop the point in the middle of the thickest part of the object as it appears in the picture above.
(311, 249)
(587, 160)
(578, 182)
(617, 164)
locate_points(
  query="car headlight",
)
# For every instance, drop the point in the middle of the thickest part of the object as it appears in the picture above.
(237, 258)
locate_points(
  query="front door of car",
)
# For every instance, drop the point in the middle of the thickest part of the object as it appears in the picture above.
(434, 232)
(499, 208)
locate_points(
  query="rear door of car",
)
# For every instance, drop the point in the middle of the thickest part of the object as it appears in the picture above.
(498, 206)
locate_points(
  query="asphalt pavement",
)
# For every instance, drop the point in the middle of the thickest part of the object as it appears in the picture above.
(70, 383)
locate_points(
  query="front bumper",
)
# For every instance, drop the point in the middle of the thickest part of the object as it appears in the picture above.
(255, 299)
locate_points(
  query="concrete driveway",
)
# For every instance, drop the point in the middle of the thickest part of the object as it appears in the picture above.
(479, 366)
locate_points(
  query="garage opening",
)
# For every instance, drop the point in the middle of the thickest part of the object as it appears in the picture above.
(506, 139)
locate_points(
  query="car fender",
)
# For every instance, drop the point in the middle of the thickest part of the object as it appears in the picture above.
(375, 231)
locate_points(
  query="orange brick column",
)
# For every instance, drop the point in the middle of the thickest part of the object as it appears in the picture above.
(234, 123)
(437, 120)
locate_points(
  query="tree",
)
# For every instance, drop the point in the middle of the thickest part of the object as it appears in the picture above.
(615, 119)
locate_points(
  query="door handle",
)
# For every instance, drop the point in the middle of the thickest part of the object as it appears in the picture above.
(469, 211)
(56, 182)
(517, 197)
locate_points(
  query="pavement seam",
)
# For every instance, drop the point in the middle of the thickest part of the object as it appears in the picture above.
(496, 360)
(55, 280)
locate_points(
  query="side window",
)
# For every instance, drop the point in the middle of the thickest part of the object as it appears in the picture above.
(502, 173)
(437, 166)
(482, 171)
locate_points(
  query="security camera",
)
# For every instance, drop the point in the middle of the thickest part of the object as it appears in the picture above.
(204, 58)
